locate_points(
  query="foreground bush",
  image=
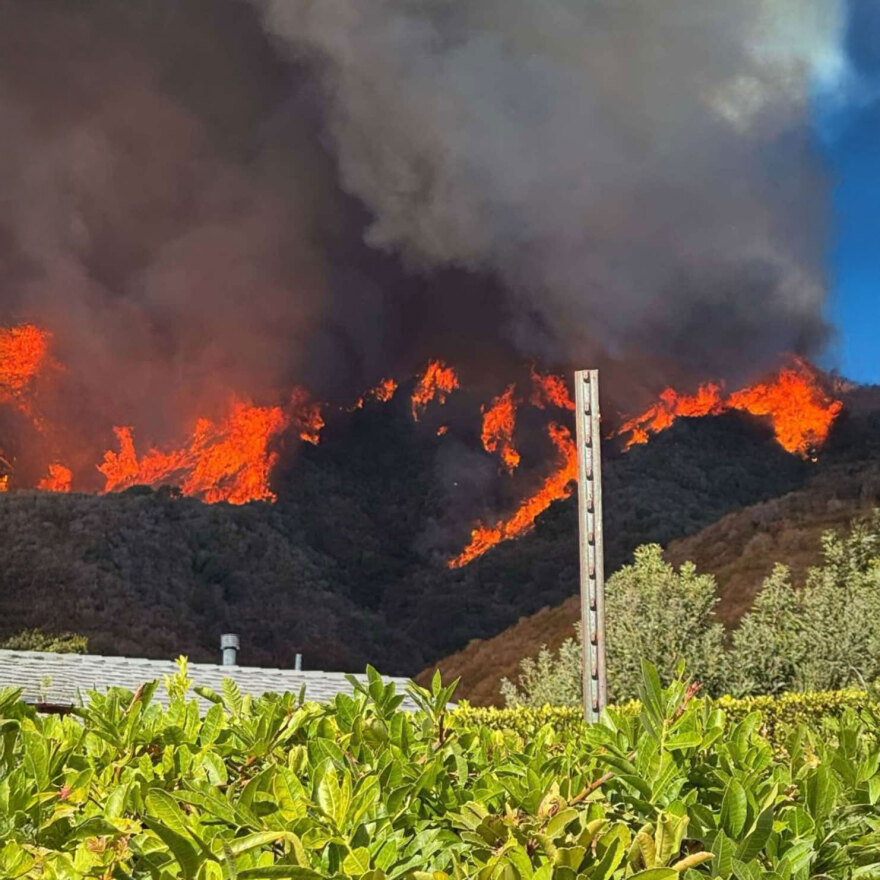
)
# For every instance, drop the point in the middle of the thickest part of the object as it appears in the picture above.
(652, 612)
(360, 789)
(819, 711)
(818, 636)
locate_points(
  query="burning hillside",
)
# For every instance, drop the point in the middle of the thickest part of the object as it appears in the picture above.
(231, 457)
(797, 402)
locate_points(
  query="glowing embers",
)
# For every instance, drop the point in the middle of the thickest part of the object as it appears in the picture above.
(797, 404)
(228, 460)
(383, 392)
(438, 381)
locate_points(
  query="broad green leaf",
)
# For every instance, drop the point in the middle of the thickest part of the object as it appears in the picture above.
(734, 808)
(255, 841)
(723, 851)
(357, 862)
(757, 837)
(656, 874)
(270, 871)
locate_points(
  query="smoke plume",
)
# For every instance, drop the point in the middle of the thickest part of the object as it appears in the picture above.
(210, 196)
(641, 174)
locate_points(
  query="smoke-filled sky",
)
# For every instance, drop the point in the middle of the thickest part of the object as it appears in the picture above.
(205, 196)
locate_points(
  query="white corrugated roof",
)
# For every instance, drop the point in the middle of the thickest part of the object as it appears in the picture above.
(61, 679)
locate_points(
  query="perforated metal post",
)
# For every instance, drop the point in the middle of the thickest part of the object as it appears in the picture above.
(586, 390)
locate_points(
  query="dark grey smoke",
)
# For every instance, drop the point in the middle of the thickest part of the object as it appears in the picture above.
(204, 196)
(641, 174)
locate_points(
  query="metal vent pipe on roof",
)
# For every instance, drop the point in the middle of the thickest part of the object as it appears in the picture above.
(229, 646)
(298, 662)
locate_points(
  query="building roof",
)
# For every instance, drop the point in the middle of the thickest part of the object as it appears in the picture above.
(62, 680)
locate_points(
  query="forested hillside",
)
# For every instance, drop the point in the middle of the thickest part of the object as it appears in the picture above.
(740, 549)
(348, 567)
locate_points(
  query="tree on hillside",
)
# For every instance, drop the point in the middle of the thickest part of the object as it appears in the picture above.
(769, 644)
(37, 640)
(653, 613)
(824, 635)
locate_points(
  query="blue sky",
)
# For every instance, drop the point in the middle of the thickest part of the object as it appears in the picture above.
(851, 139)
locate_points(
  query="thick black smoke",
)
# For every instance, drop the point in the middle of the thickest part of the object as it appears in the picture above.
(205, 196)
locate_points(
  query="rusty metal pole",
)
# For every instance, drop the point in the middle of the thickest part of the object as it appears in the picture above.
(592, 568)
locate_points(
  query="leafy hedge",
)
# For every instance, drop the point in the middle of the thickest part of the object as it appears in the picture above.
(778, 713)
(129, 789)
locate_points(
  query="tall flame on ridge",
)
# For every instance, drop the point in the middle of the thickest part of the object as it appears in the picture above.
(59, 479)
(23, 353)
(499, 420)
(228, 460)
(438, 381)
(549, 390)
(800, 410)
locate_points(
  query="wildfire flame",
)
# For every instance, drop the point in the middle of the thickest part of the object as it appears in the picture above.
(707, 401)
(383, 392)
(23, 353)
(307, 416)
(231, 459)
(549, 390)
(800, 410)
(499, 421)
(59, 479)
(224, 461)
(555, 487)
(438, 381)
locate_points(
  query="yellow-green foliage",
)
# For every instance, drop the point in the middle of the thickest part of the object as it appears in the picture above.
(778, 714)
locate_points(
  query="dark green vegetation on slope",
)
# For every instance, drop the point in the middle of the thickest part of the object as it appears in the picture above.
(360, 789)
(348, 566)
(739, 550)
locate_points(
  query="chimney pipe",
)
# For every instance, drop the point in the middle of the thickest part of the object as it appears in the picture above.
(298, 662)
(229, 646)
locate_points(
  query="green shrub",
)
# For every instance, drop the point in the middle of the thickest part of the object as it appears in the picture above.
(37, 640)
(821, 636)
(779, 714)
(653, 613)
(130, 790)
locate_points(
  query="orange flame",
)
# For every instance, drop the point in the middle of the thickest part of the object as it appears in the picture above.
(59, 479)
(383, 392)
(499, 421)
(555, 487)
(549, 390)
(438, 381)
(23, 353)
(307, 417)
(800, 410)
(707, 401)
(224, 461)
